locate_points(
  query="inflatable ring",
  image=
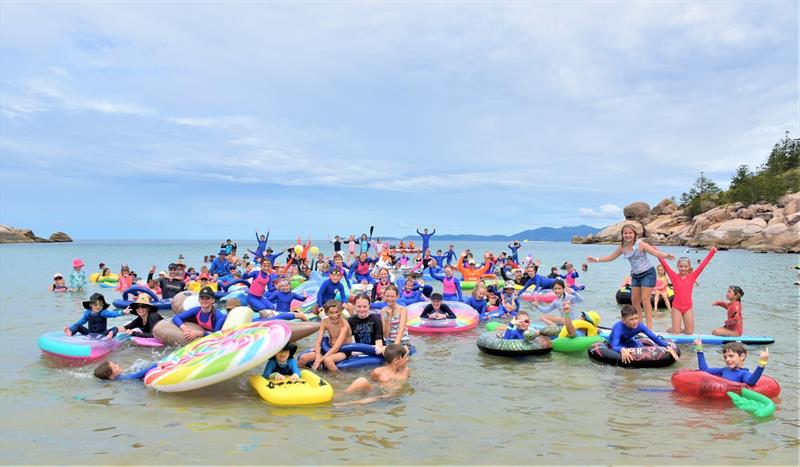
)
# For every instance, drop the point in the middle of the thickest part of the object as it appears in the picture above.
(366, 354)
(623, 296)
(591, 329)
(95, 277)
(124, 302)
(310, 389)
(466, 319)
(649, 356)
(489, 343)
(702, 384)
(77, 347)
(575, 344)
(218, 356)
(540, 296)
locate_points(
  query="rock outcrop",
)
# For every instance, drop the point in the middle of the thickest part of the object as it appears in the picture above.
(10, 234)
(757, 227)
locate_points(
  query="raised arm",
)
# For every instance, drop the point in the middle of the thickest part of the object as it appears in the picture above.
(704, 263)
(604, 259)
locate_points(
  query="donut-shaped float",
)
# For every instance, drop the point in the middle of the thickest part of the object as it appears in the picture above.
(490, 343)
(466, 319)
(649, 356)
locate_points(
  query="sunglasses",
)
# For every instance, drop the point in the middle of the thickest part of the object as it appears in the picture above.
(146, 307)
(58, 277)
(526, 321)
(203, 279)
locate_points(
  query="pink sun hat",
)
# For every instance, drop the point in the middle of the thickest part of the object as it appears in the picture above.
(78, 263)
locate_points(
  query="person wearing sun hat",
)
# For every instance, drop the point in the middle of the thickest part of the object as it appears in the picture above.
(207, 316)
(282, 365)
(146, 317)
(95, 317)
(509, 301)
(77, 278)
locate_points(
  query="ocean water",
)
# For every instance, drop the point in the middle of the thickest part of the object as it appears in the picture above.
(460, 406)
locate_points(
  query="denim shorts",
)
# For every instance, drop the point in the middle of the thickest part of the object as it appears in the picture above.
(644, 279)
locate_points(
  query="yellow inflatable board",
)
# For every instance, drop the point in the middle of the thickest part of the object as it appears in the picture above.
(238, 316)
(311, 389)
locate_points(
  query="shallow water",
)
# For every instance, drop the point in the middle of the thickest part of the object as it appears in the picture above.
(460, 405)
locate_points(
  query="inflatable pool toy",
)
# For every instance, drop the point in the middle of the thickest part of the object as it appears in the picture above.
(167, 333)
(310, 389)
(125, 301)
(540, 296)
(235, 289)
(296, 280)
(489, 343)
(469, 285)
(466, 319)
(78, 347)
(575, 344)
(178, 299)
(147, 342)
(218, 356)
(107, 285)
(361, 355)
(95, 277)
(237, 317)
(702, 384)
(649, 356)
(753, 402)
(623, 296)
(707, 339)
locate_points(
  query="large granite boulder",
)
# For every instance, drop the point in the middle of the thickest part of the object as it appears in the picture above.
(636, 211)
(60, 237)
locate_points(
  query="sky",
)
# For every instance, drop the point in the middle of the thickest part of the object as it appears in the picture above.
(207, 120)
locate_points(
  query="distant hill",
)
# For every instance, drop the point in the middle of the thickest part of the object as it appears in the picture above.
(547, 234)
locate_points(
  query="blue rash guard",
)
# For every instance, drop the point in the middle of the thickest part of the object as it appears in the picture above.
(273, 257)
(345, 272)
(327, 291)
(137, 374)
(538, 281)
(407, 298)
(737, 375)
(287, 369)
(624, 337)
(363, 245)
(210, 322)
(219, 266)
(360, 276)
(262, 245)
(513, 333)
(426, 239)
(479, 305)
(450, 255)
(439, 260)
(514, 254)
(97, 322)
(283, 300)
(449, 296)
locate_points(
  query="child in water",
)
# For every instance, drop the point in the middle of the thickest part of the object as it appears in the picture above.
(339, 333)
(77, 278)
(683, 283)
(734, 325)
(95, 317)
(660, 289)
(282, 365)
(394, 372)
(58, 284)
(518, 328)
(734, 354)
(110, 371)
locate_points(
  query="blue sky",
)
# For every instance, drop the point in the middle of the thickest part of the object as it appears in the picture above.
(208, 120)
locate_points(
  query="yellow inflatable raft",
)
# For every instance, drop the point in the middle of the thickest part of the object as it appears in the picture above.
(311, 389)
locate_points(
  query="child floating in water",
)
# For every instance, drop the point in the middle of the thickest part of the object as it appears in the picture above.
(393, 374)
(109, 371)
(734, 355)
(734, 325)
(282, 365)
(58, 284)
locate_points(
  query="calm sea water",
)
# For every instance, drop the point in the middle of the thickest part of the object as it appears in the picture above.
(460, 406)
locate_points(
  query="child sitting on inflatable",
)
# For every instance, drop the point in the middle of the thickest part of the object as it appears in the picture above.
(734, 325)
(206, 316)
(95, 317)
(58, 284)
(624, 332)
(734, 354)
(518, 328)
(283, 298)
(110, 371)
(338, 330)
(562, 298)
(146, 318)
(367, 328)
(282, 365)
(393, 373)
(509, 300)
(437, 310)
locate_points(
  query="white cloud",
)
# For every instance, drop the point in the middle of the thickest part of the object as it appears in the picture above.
(606, 211)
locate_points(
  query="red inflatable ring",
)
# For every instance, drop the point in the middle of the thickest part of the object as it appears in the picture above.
(701, 384)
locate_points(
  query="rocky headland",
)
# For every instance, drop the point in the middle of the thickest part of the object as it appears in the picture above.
(10, 234)
(755, 227)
